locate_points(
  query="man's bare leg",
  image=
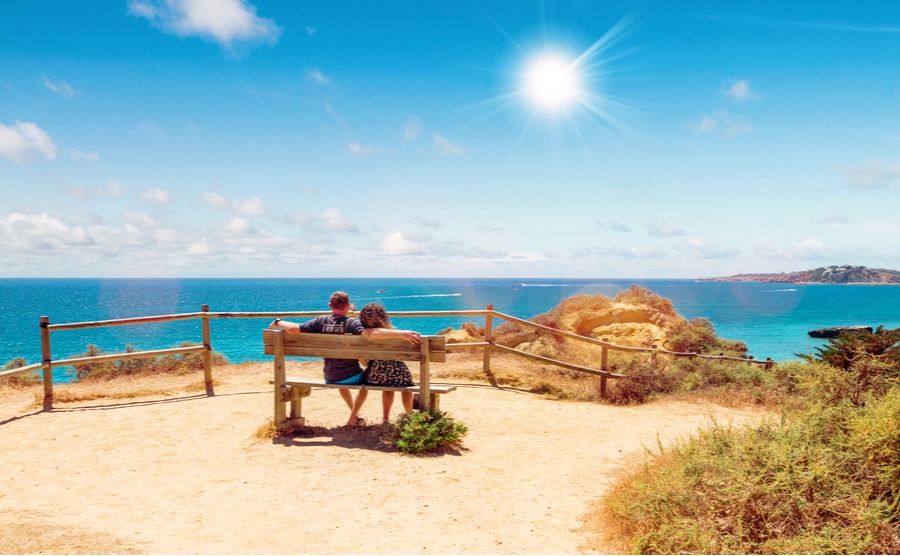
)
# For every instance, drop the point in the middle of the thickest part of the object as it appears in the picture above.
(347, 397)
(356, 406)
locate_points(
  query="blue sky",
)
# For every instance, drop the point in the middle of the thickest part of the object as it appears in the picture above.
(272, 138)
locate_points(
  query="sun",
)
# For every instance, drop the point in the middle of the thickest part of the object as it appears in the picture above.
(552, 82)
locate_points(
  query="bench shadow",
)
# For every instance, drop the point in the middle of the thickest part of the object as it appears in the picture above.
(374, 438)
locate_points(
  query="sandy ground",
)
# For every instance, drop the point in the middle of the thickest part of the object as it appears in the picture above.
(183, 473)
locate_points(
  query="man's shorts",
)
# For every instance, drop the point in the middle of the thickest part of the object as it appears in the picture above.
(355, 379)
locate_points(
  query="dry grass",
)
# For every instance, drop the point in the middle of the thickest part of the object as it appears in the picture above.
(31, 533)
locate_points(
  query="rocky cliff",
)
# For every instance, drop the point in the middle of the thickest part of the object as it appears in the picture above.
(846, 274)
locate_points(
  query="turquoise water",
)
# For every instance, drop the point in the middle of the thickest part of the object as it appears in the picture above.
(773, 319)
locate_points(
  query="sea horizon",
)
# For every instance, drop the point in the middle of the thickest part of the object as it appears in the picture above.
(771, 318)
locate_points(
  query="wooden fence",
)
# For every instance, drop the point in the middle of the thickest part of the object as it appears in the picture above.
(205, 347)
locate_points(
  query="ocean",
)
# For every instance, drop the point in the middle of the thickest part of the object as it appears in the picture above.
(772, 319)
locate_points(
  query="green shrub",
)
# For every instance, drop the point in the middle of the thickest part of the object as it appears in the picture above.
(823, 480)
(431, 431)
(699, 336)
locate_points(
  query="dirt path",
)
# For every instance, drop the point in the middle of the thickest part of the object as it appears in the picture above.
(183, 473)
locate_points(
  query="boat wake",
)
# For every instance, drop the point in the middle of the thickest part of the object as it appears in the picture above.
(566, 285)
(421, 295)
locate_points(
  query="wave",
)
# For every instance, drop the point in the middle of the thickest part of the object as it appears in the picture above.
(784, 290)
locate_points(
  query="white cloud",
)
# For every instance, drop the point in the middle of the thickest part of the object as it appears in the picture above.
(614, 225)
(140, 219)
(24, 141)
(112, 189)
(227, 22)
(152, 128)
(316, 76)
(809, 248)
(705, 125)
(396, 244)
(412, 128)
(445, 147)
(457, 248)
(251, 206)
(875, 174)
(696, 247)
(26, 233)
(238, 225)
(335, 221)
(155, 196)
(59, 87)
(425, 222)
(739, 89)
(641, 252)
(663, 229)
(730, 125)
(359, 151)
(835, 218)
(90, 156)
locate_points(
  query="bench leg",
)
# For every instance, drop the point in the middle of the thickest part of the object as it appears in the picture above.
(433, 399)
(296, 398)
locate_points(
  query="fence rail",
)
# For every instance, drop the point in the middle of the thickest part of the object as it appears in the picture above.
(205, 348)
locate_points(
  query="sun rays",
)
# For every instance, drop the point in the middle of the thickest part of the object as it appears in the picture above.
(563, 92)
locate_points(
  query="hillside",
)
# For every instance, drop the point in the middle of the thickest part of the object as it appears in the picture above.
(845, 274)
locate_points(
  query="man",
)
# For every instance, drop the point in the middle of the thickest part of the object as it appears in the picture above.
(343, 371)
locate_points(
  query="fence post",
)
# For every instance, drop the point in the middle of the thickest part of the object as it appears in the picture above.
(424, 376)
(769, 363)
(207, 355)
(45, 359)
(604, 366)
(488, 325)
(721, 357)
(653, 355)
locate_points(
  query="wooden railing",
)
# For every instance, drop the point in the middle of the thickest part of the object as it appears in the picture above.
(205, 347)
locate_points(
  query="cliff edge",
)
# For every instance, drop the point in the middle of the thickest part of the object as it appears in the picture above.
(846, 274)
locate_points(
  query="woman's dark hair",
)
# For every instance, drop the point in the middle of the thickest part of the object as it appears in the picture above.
(373, 315)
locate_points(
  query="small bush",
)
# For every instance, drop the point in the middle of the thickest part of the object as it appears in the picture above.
(431, 431)
(22, 380)
(179, 363)
(699, 336)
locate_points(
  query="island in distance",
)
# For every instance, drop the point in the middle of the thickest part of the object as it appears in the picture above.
(845, 274)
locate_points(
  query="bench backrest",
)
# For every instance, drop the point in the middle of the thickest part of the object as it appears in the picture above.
(349, 346)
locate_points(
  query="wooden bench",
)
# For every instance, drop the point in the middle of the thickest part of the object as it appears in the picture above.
(348, 346)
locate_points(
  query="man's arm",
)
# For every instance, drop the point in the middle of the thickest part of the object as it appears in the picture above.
(287, 326)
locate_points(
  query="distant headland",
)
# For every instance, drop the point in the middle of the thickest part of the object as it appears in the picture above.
(846, 274)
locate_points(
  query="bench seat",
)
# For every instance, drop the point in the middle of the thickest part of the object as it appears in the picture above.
(320, 383)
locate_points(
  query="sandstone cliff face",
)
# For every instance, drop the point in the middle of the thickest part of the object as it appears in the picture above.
(634, 318)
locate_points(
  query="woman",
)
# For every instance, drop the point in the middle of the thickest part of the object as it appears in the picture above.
(387, 373)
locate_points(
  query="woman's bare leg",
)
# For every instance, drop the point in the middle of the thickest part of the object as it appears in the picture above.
(387, 400)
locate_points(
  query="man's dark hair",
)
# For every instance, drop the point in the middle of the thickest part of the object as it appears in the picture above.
(339, 300)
